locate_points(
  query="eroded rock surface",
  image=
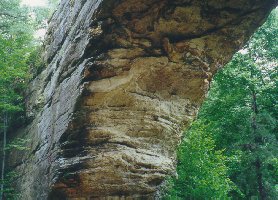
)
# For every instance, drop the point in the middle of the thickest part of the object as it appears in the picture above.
(124, 78)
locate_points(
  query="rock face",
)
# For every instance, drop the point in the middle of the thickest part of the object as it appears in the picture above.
(124, 78)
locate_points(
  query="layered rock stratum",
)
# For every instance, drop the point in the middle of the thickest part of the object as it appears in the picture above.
(124, 78)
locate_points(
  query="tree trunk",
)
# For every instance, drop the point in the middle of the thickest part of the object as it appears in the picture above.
(258, 140)
(5, 117)
(261, 189)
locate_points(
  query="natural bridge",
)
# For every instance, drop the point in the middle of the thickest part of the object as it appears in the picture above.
(124, 78)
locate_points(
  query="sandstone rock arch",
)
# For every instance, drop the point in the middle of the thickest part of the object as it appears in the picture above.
(124, 78)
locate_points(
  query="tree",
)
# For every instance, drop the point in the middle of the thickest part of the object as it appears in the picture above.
(14, 19)
(242, 117)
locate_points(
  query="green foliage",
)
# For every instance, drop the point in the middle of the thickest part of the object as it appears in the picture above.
(263, 44)
(18, 144)
(11, 14)
(35, 61)
(15, 45)
(10, 179)
(13, 72)
(202, 171)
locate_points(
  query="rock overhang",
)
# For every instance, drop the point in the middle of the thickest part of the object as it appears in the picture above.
(124, 78)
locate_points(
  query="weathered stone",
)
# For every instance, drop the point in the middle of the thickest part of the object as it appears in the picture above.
(124, 79)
